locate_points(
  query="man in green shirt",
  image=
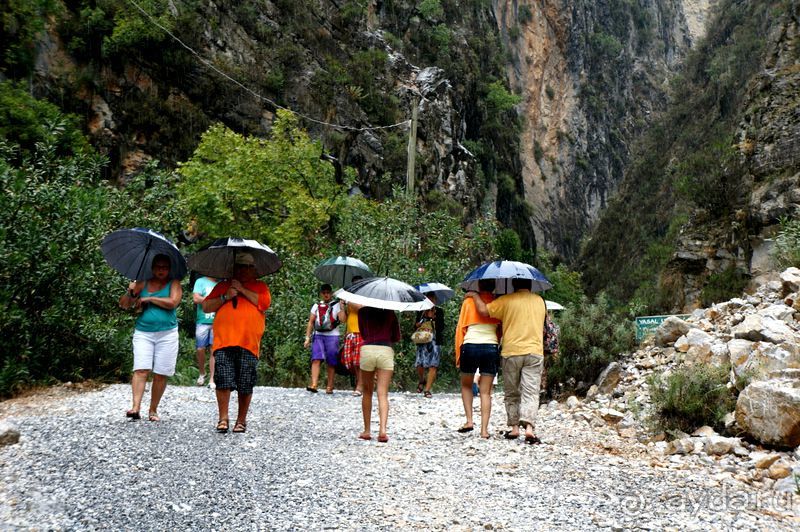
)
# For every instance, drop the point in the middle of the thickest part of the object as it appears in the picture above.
(522, 314)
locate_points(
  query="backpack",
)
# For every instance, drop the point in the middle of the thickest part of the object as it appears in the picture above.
(325, 320)
(550, 336)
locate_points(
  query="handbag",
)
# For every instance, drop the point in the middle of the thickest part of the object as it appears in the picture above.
(550, 336)
(424, 334)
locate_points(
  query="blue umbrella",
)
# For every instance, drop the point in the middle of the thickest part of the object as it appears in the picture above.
(503, 271)
(131, 253)
(442, 292)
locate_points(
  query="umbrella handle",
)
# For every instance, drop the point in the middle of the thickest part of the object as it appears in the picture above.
(144, 257)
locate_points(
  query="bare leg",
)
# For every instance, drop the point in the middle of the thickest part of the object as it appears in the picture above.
(138, 382)
(315, 364)
(159, 385)
(384, 380)
(466, 398)
(223, 399)
(421, 376)
(486, 403)
(331, 376)
(431, 379)
(359, 381)
(368, 381)
(211, 367)
(244, 406)
(201, 360)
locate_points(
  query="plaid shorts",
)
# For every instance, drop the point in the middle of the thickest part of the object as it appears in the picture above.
(235, 369)
(351, 356)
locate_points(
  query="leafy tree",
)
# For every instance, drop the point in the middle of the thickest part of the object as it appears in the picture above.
(26, 121)
(21, 22)
(277, 190)
(57, 299)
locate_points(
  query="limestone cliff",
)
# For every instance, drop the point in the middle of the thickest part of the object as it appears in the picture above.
(592, 74)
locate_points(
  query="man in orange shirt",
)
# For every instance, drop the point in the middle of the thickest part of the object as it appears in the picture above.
(240, 304)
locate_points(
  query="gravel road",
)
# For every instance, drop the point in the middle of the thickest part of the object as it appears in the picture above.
(80, 465)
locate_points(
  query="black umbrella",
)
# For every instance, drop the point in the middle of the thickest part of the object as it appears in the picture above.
(131, 253)
(217, 258)
(385, 293)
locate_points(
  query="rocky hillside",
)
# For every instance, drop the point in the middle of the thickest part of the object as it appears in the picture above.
(354, 68)
(756, 339)
(592, 76)
(709, 183)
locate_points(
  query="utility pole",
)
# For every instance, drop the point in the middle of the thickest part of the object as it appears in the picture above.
(412, 148)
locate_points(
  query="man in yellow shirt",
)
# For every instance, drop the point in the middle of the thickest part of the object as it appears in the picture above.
(522, 314)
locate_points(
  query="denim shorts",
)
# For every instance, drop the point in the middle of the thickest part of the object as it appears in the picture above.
(479, 356)
(203, 335)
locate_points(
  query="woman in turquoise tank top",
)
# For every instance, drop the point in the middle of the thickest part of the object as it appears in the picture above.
(155, 339)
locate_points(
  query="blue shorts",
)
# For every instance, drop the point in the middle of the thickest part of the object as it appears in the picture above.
(326, 347)
(203, 335)
(479, 356)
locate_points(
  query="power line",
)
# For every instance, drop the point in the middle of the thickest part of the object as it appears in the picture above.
(251, 91)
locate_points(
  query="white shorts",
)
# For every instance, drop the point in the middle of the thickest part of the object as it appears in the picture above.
(155, 351)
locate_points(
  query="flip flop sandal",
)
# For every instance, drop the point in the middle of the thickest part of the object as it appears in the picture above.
(509, 436)
(420, 387)
(153, 416)
(311, 389)
(357, 394)
(222, 426)
(133, 414)
(383, 438)
(532, 440)
(364, 436)
(240, 427)
(428, 395)
(466, 429)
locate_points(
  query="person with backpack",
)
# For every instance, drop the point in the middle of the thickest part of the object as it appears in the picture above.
(323, 322)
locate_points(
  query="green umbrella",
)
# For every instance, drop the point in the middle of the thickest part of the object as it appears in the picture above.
(339, 271)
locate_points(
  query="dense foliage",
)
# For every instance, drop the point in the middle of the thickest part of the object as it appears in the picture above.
(592, 336)
(57, 301)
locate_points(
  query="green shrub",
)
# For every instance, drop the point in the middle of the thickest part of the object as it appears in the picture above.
(431, 9)
(787, 244)
(514, 32)
(723, 286)
(690, 397)
(524, 14)
(604, 45)
(592, 336)
(26, 121)
(21, 22)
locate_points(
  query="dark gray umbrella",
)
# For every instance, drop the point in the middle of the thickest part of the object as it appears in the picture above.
(339, 271)
(385, 293)
(131, 253)
(216, 259)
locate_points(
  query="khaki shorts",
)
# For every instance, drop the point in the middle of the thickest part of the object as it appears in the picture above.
(377, 357)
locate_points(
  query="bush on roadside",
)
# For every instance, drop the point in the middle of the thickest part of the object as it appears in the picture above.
(690, 397)
(592, 336)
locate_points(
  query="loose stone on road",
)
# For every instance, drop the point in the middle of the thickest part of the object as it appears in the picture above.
(80, 464)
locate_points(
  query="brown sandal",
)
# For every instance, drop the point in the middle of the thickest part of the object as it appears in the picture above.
(240, 427)
(222, 426)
